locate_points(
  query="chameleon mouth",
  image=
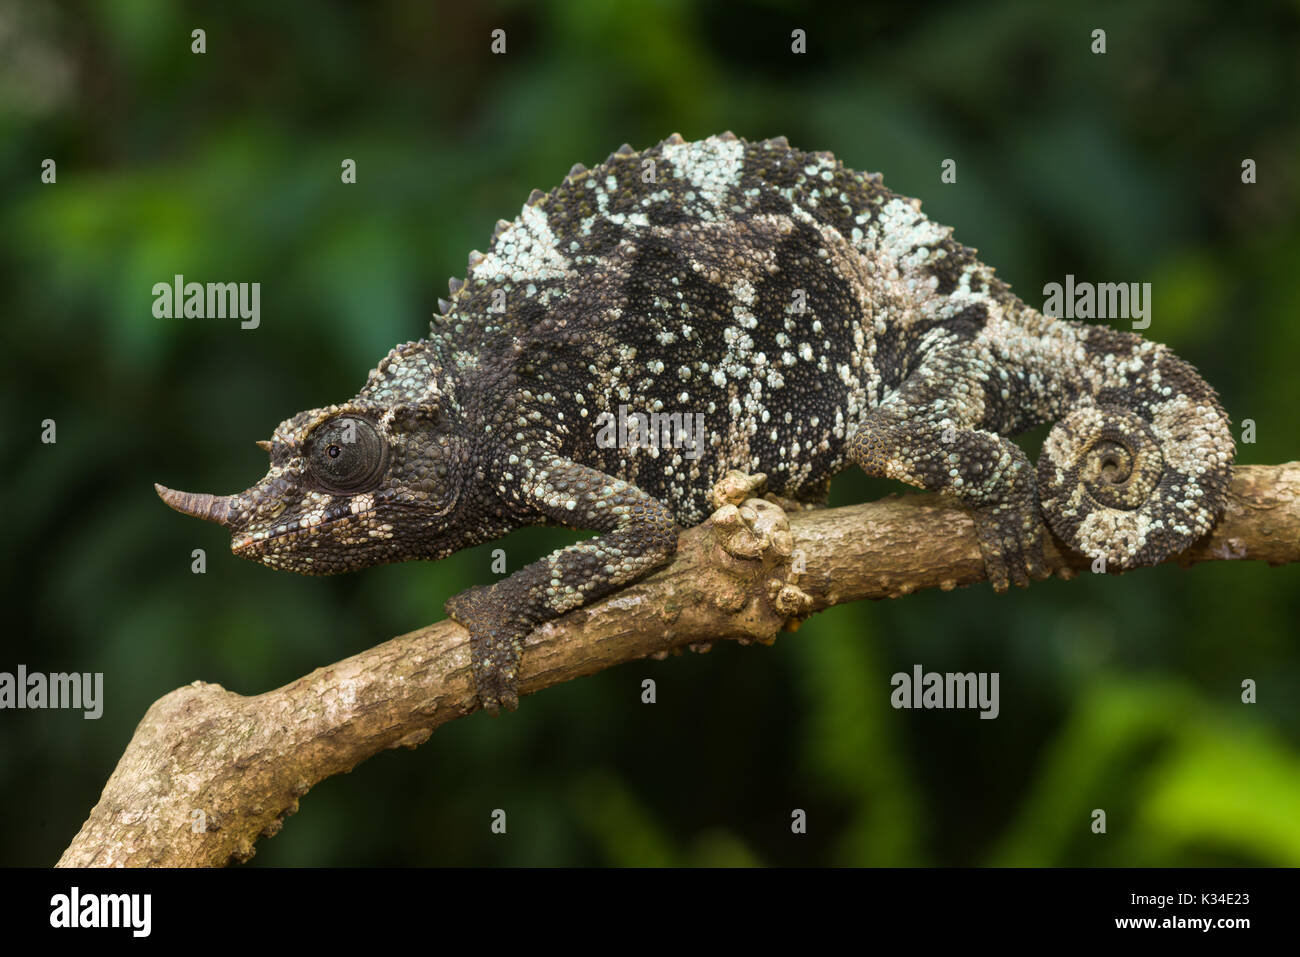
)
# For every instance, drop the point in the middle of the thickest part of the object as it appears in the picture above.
(332, 523)
(318, 521)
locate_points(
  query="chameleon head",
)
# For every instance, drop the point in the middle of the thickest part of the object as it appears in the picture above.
(349, 486)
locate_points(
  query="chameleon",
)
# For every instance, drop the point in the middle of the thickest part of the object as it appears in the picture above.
(812, 317)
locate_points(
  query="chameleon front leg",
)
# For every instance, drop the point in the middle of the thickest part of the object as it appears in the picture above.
(927, 434)
(640, 535)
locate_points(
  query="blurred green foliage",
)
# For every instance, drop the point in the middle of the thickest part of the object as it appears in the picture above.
(1117, 693)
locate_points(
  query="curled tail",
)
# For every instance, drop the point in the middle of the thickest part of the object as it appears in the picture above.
(1139, 468)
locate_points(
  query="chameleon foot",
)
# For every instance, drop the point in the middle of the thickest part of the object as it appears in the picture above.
(1011, 541)
(495, 641)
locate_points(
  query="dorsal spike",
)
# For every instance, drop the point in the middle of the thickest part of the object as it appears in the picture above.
(675, 139)
(535, 197)
(263, 444)
(454, 285)
(782, 142)
(501, 226)
(475, 257)
(444, 306)
(625, 150)
(576, 170)
(727, 136)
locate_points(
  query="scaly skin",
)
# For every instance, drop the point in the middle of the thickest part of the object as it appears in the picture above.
(814, 319)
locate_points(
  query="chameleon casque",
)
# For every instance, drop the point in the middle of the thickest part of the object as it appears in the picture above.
(813, 317)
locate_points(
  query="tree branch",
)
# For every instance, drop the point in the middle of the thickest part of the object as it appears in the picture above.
(207, 771)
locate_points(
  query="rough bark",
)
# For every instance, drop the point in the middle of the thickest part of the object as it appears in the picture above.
(207, 771)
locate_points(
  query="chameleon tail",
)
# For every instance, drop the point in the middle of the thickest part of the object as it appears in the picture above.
(1139, 469)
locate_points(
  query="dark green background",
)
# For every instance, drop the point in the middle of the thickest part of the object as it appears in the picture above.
(1117, 693)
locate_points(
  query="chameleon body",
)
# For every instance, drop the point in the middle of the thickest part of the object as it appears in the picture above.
(811, 316)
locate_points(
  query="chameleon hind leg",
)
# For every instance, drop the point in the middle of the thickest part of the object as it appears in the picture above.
(640, 535)
(927, 434)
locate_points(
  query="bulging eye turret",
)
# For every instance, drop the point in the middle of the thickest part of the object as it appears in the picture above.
(347, 454)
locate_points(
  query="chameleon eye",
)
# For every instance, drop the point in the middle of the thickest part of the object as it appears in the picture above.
(347, 454)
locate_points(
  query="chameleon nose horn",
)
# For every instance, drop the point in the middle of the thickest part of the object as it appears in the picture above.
(210, 508)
